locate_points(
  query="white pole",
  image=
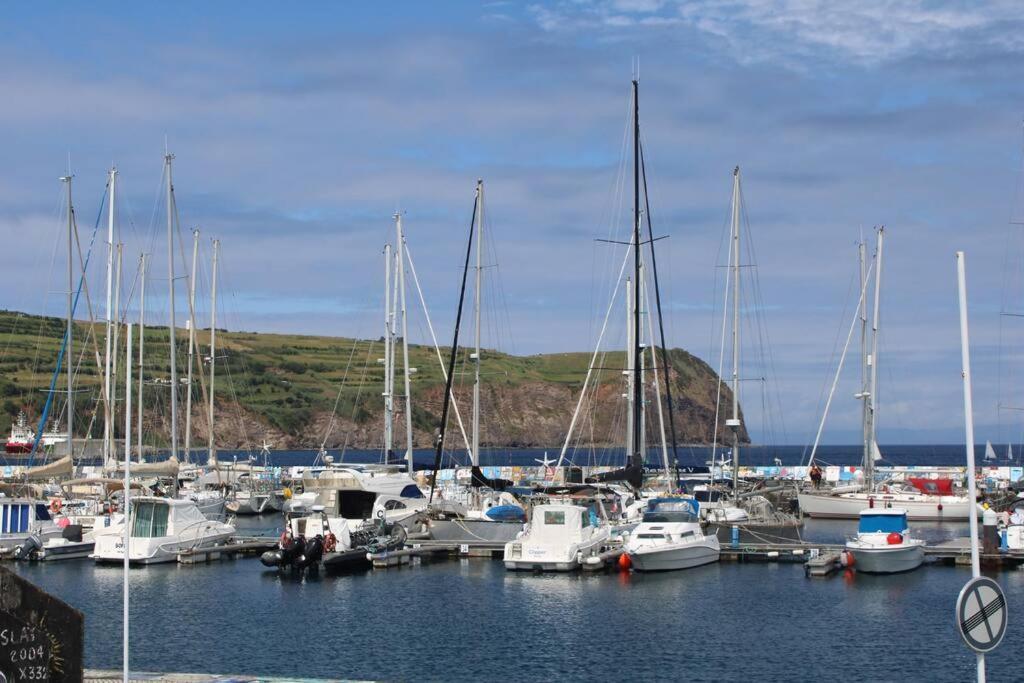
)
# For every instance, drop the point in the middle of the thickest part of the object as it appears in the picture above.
(388, 407)
(142, 338)
(477, 301)
(657, 386)
(69, 346)
(128, 393)
(972, 490)
(191, 343)
(107, 413)
(170, 304)
(405, 344)
(630, 378)
(869, 472)
(735, 421)
(127, 502)
(212, 457)
(113, 355)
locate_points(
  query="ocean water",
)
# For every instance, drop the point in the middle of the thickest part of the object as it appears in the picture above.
(471, 620)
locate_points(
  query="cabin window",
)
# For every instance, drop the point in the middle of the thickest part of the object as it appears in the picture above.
(585, 519)
(150, 520)
(554, 517)
(356, 504)
(650, 536)
(394, 505)
(14, 518)
(685, 535)
(411, 491)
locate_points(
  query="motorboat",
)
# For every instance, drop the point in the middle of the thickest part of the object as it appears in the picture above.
(670, 537)
(883, 544)
(559, 538)
(160, 529)
(75, 542)
(1014, 525)
(359, 493)
(923, 499)
(24, 518)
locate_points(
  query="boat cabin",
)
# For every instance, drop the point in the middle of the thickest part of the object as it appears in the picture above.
(153, 517)
(672, 510)
(18, 515)
(882, 521)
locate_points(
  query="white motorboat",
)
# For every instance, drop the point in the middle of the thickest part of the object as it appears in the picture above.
(1015, 525)
(160, 529)
(670, 537)
(23, 518)
(74, 543)
(360, 493)
(883, 544)
(558, 538)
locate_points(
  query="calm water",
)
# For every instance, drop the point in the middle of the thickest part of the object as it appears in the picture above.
(470, 620)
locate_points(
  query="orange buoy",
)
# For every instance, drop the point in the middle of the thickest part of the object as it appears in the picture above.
(624, 562)
(894, 538)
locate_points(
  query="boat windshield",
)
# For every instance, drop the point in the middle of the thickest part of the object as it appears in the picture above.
(150, 520)
(660, 515)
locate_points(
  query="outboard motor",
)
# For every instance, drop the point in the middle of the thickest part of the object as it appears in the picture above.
(271, 558)
(25, 550)
(314, 552)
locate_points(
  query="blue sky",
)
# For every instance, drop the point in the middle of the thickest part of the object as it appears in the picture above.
(299, 130)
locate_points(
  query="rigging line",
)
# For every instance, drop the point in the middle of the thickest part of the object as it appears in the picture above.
(433, 337)
(337, 398)
(455, 350)
(721, 357)
(661, 324)
(597, 349)
(842, 358)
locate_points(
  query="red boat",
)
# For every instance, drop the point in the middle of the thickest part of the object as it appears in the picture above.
(22, 437)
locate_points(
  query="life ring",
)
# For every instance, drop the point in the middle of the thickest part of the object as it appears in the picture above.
(56, 505)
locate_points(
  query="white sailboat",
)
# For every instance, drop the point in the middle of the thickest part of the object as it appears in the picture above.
(919, 506)
(990, 453)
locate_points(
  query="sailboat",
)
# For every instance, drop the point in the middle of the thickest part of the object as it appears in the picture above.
(751, 514)
(916, 499)
(990, 453)
(487, 513)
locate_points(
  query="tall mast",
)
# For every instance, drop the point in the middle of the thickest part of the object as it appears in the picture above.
(142, 337)
(389, 407)
(191, 343)
(69, 333)
(212, 457)
(865, 378)
(629, 364)
(168, 158)
(128, 393)
(734, 422)
(638, 454)
(476, 305)
(869, 469)
(638, 332)
(117, 335)
(108, 415)
(400, 246)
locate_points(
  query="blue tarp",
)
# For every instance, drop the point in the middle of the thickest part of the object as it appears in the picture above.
(878, 522)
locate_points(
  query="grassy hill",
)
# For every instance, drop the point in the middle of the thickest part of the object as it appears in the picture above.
(285, 388)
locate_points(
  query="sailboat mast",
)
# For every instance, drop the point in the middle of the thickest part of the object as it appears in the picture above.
(128, 393)
(642, 426)
(117, 336)
(108, 415)
(865, 387)
(191, 343)
(629, 365)
(388, 405)
(212, 456)
(734, 423)
(637, 397)
(476, 312)
(869, 472)
(168, 158)
(400, 246)
(142, 337)
(70, 323)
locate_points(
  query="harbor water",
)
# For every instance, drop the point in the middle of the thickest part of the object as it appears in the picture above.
(471, 620)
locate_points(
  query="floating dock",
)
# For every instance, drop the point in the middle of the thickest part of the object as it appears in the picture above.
(250, 546)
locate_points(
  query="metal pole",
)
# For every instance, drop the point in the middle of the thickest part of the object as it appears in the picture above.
(637, 398)
(142, 337)
(477, 305)
(630, 375)
(212, 457)
(168, 158)
(127, 499)
(388, 407)
(108, 415)
(972, 490)
(69, 363)
(865, 385)
(113, 356)
(869, 473)
(191, 343)
(405, 345)
(735, 421)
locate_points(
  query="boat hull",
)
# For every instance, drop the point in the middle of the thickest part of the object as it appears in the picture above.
(849, 506)
(886, 559)
(673, 557)
(473, 530)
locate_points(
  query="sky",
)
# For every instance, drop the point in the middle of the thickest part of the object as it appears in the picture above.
(298, 131)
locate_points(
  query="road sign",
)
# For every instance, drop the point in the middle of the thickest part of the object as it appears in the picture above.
(981, 614)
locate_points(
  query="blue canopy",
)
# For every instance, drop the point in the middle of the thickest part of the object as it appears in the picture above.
(882, 522)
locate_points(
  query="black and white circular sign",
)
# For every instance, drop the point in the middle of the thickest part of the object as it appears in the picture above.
(981, 614)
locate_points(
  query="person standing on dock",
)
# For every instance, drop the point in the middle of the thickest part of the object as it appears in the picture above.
(816, 476)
